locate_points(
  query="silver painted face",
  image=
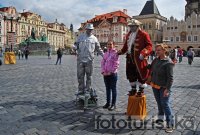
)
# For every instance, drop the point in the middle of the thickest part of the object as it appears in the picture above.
(88, 32)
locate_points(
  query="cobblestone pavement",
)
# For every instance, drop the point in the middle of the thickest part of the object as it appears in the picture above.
(37, 98)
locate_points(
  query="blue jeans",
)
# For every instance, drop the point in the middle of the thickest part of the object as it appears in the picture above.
(58, 59)
(163, 105)
(111, 86)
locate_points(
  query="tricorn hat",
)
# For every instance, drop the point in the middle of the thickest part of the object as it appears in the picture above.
(89, 26)
(134, 22)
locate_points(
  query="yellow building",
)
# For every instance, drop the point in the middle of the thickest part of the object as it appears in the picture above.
(29, 21)
(56, 35)
(152, 21)
(69, 38)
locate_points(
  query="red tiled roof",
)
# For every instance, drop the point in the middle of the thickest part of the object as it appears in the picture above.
(26, 14)
(109, 15)
(4, 9)
(122, 18)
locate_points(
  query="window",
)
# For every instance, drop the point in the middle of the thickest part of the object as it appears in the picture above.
(172, 39)
(177, 39)
(150, 26)
(194, 26)
(175, 27)
(198, 26)
(189, 38)
(172, 28)
(189, 26)
(0, 23)
(157, 26)
(144, 26)
(168, 28)
(195, 38)
(0, 39)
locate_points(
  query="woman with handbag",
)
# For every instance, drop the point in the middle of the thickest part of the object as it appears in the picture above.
(161, 82)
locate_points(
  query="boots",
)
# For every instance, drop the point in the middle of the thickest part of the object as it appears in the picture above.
(132, 92)
(140, 92)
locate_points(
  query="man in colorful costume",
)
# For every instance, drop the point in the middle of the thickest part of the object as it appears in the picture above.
(137, 47)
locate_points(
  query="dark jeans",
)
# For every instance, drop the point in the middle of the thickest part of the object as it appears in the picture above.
(111, 83)
(26, 56)
(58, 59)
(163, 105)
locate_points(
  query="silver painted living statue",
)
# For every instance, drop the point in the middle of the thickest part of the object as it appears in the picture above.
(85, 46)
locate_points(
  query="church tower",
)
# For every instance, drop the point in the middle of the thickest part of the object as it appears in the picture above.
(192, 6)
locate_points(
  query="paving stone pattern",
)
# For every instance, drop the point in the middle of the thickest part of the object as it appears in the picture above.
(37, 97)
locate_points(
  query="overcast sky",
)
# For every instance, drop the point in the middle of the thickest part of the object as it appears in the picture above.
(77, 11)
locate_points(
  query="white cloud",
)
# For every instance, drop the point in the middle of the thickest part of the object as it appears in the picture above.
(77, 11)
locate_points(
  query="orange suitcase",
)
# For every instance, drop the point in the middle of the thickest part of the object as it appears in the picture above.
(137, 107)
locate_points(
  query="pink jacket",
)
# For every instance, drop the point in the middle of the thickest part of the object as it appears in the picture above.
(110, 62)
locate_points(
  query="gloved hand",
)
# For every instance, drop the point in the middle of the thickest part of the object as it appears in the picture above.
(141, 57)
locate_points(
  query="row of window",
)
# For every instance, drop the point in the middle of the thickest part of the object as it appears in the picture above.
(189, 26)
(177, 39)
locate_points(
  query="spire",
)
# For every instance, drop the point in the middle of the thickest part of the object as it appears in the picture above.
(150, 8)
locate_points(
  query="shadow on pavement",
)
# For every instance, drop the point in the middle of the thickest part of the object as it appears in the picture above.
(188, 86)
(66, 113)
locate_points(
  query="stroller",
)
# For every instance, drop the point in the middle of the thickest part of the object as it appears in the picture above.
(87, 99)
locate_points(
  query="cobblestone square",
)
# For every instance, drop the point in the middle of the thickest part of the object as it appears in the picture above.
(37, 97)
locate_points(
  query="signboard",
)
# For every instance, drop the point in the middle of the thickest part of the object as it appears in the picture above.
(11, 38)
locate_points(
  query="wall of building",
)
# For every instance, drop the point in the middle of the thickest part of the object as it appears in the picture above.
(153, 25)
(183, 33)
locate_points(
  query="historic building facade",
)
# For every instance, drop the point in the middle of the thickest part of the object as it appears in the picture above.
(152, 21)
(9, 27)
(56, 35)
(109, 26)
(184, 34)
(31, 21)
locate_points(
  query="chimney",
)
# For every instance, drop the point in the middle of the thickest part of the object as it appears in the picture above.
(125, 11)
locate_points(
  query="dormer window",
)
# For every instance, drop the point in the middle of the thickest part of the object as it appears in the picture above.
(115, 19)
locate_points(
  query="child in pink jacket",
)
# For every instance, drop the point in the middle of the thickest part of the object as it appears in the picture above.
(109, 66)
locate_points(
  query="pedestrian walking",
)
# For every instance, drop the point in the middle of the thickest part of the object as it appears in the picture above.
(161, 82)
(49, 53)
(26, 53)
(109, 66)
(180, 55)
(1, 56)
(190, 56)
(19, 54)
(59, 56)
